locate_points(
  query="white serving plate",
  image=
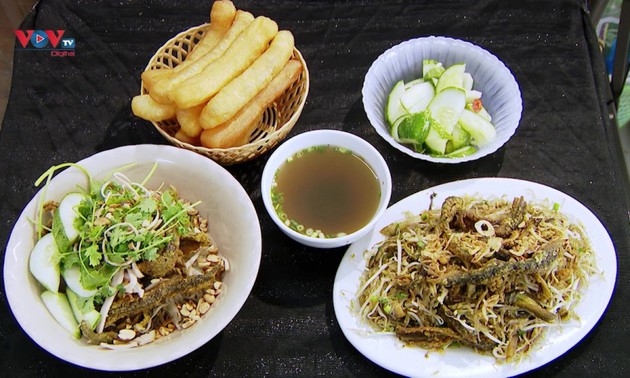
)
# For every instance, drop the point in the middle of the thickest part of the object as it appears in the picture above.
(390, 353)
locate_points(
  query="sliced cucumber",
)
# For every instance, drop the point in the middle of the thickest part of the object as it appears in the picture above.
(435, 143)
(72, 277)
(413, 82)
(59, 307)
(417, 97)
(65, 220)
(461, 152)
(393, 131)
(452, 77)
(394, 108)
(427, 112)
(468, 82)
(44, 263)
(447, 106)
(460, 138)
(91, 316)
(481, 130)
(484, 113)
(431, 69)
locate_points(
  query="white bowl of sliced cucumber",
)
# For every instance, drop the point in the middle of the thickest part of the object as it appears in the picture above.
(442, 99)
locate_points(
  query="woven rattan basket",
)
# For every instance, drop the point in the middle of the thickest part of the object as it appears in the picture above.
(273, 126)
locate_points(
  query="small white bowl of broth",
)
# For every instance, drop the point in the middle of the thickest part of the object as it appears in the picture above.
(326, 188)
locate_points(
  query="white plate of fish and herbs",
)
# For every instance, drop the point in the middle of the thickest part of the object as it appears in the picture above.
(120, 263)
(484, 277)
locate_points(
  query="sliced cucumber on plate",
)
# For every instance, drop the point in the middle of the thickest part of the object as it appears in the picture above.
(452, 77)
(480, 129)
(59, 307)
(394, 108)
(65, 220)
(439, 113)
(81, 313)
(44, 263)
(72, 278)
(417, 97)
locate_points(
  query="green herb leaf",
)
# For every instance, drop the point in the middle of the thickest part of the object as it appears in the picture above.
(93, 255)
(95, 278)
(135, 218)
(147, 205)
(150, 254)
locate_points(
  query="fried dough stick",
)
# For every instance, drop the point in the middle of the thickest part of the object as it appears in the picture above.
(145, 107)
(236, 94)
(240, 55)
(222, 15)
(162, 88)
(237, 130)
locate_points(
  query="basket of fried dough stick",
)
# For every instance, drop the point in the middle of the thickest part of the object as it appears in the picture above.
(230, 89)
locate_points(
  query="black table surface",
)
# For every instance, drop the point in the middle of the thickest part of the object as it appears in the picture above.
(67, 108)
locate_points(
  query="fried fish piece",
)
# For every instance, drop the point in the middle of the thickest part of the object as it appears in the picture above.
(540, 259)
(437, 337)
(129, 306)
(516, 216)
(529, 304)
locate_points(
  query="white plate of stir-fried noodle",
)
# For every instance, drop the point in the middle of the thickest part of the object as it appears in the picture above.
(516, 284)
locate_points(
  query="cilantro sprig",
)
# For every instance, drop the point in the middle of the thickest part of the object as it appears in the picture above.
(121, 223)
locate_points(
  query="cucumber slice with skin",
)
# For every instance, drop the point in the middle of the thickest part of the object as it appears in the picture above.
(484, 113)
(447, 106)
(72, 277)
(468, 81)
(64, 220)
(481, 130)
(461, 138)
(394, 108)
(435, 143)
(452, 77)
(464, 151)
(417, 97)
(393, 131)
(432, 69)
(59, 307)
(44, 263)
(91, 317)
(413, 82)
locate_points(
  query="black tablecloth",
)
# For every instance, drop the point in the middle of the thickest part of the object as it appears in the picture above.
(68, 108)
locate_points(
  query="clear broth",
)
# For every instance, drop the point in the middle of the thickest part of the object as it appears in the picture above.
(327, 189)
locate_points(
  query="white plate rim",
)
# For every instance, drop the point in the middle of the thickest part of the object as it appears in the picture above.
(416, 362)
